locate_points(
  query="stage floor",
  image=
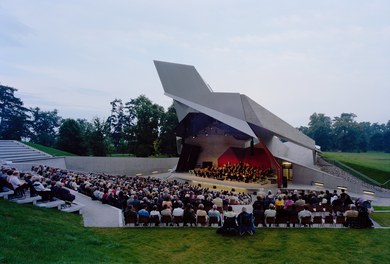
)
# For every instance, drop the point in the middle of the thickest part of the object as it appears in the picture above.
(221, 185)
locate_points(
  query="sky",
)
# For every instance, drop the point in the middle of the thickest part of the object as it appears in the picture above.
(294, 58)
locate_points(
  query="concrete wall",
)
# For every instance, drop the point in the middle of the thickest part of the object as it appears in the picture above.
(120, 166)
(306, 176)
(58, 162)
(213, 146)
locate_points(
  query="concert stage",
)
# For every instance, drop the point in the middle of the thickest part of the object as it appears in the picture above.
(221, 185)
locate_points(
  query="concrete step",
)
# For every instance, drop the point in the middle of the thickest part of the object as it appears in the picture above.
(74, 207)
(6, 194)
(27, 200)
(51, 204)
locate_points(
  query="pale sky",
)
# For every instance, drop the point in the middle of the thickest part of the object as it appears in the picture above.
(292, 57)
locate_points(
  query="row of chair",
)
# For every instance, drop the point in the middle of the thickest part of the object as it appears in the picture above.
(294, 221)
(329, 220)
(132, 220)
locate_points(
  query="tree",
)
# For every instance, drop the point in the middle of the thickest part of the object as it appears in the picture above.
(144, 122)
(13, 115)
(70, 137)
(98, 142)
(320, 129)
(346, 132)
(167, 137)
(386, 138)
(118, 125)
(43, 126)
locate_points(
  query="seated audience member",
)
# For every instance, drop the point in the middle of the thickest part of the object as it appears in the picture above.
(130, 213)
(218, 202)
(201, 211)
(270, 212)
(166, 211)
(230, 223)
(364, 220)
(189, 216)
(245, 222)
(213, 212)
(289, 202)
(178, 211)
(5, 186)
(155, 212)
(351, 216)
(17, 185)
(61, 193)
(143, 213)
(167, 202)
(305, 213)
(41, 190)
(300, 201)
(279, 202)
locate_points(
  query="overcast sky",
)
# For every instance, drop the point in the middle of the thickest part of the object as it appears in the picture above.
(292, 57)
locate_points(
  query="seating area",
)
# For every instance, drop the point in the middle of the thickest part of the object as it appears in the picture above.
(23, 188)
(147, 201)
(14, 151)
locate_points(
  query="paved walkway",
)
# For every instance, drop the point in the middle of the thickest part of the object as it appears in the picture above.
(96, 214)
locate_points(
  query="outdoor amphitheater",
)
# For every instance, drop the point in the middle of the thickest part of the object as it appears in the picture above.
(241, 172)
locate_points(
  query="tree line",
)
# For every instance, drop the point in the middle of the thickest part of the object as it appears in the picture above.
(138, 126)
(143, 128)
(344, 133)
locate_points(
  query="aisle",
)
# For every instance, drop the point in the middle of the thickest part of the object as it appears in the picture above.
(96, 214)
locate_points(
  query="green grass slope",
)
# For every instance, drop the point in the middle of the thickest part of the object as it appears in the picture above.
(34, 235)
(375, 165)
(48, 150)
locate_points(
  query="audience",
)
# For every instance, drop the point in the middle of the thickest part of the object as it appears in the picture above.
(146, 196)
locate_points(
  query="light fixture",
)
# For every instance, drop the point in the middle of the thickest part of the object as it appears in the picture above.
(138, 174)
(342, 188)
(368, 192)
(318, 184)
(154, 172)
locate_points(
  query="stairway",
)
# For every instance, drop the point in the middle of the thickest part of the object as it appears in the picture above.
(14, 151)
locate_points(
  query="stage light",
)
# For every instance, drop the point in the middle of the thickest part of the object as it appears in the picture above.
(318, 184)
(342, 188)
(368, 192)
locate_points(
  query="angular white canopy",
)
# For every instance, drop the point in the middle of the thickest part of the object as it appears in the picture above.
(192, 95)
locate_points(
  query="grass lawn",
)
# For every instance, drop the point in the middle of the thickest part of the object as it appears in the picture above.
(34, 235)
(119, 155)
(375, 165)
(48, 150)
(376, 208)
(382, 219)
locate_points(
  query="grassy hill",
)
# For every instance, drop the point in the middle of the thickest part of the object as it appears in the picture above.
(375, 165)
(29, 234)
(48, 150)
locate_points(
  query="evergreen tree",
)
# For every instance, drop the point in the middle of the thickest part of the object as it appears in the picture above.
(13, 115)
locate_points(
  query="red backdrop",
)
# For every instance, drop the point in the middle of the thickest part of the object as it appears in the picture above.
(235, 155)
